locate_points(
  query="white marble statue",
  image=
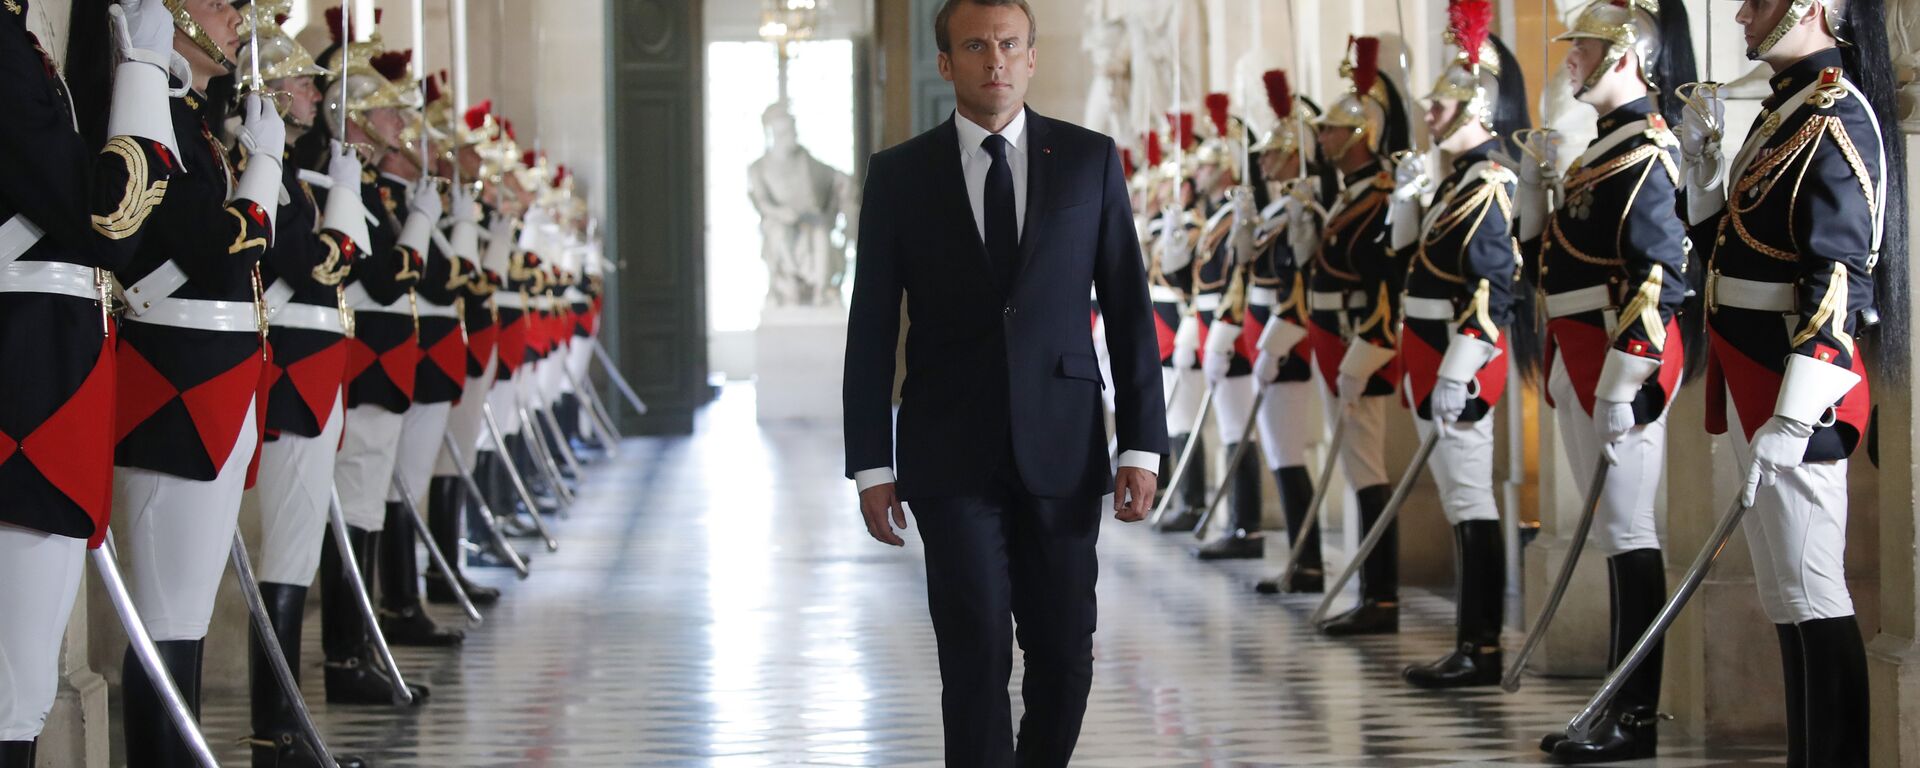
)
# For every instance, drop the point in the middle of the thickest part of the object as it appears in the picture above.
(1159, 32)
(803, 205)
(1109, 51)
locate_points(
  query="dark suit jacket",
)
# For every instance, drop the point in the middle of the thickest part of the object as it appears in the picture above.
(993, 370)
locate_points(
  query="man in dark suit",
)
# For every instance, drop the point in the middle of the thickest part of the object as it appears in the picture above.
(994, 224)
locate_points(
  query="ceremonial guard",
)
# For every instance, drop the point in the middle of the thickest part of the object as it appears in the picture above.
(189, 362)
(382, 357)
(1173, 235)
(68, 217)
(1793, 231)
(1222, 277)
(1353, 289)
(1611, 262)
(1458, 306)
(1287, 236)
(304, 286)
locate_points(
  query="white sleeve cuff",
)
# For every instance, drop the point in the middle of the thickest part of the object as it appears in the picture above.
(1465, 356)
(1221, 336)
(1279, 337)
(416, 232)
(1146, 460)
(260, 183)
(1622, 375)
(1187, 334)
(346, 214)
(1810, 387)
(1363, 358)
(140, 105)
(868, 478)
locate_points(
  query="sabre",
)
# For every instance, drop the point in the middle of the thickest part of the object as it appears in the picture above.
(1380, 526)
(613, 372)
(270, 639)
(1582, 724)
(346, 54)
(1321, 491)
(513, 474)
(1233, 462)
(402, 694)
(1511, 682)
(536, 440)
(1186, 457)
(599, 410)
(433, 549)
(105, 562)
(560, 439)
(500, 543)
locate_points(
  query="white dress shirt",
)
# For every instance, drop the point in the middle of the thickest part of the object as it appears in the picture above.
(974, 164)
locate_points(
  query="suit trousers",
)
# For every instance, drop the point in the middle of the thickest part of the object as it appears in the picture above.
(996, 560)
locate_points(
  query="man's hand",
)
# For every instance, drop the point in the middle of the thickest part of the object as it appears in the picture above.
(1133, 490)
(879, 503)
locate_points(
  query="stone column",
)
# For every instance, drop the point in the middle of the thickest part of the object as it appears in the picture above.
(1893, 657)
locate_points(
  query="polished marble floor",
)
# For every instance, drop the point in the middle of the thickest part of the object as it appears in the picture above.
(716, 602)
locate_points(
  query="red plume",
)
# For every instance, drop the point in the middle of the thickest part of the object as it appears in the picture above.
(433, 90)
(378, 14)
(280, 19)
(559, 175)
(333, 23)
(1126, 161)
(1279, 92)
(529, 159)
(1366, 64)
(477, 114)
(1154, 154)
(1470, 21)
(1217, 112)
(1182, 125)
(392, 65)
(507, 126)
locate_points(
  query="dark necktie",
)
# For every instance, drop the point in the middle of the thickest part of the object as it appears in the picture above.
(1003, 228)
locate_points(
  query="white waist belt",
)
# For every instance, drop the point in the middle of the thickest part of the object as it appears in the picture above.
(312, 317)
(1207, 302)
(1331, 301)
(153, 289)
(1750, 294)
(1263, 297)
(201, 314)
(48, 277)
(1163, 294)
(574, 295)
(277, 295)
(1418, 308)
(1592, 298)
(509, 300)
(360, 301)
(430, 309)
(17, 236)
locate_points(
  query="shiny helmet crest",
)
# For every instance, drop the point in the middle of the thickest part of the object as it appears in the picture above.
(281, 56)
(183, 21)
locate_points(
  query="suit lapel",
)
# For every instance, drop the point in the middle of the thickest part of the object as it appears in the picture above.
(953, 192)
(1039, 170)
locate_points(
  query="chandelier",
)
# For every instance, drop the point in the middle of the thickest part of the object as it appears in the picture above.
(785, 21)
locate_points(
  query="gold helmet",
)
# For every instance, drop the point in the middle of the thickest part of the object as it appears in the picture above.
(1473, 77)
(183, 20)
(1226, 144)
(1370, 106)
(1836, 9)
(1285, 136)
(280, 56)
(1622, 25)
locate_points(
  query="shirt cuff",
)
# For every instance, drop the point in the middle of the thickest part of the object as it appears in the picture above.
(868, 478)
(1146, 460)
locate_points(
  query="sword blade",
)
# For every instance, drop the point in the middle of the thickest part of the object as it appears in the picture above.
(499, 540)
(105, 562)
(513, 474)
(1186, 457)
(402, 695)
(270, 642)
(619, 381)
(1320, 493)
(1380, 526)
(1233, 463)
(1538, 632)
(433, 548)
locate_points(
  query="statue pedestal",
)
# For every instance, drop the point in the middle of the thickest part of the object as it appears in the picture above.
(798, 356)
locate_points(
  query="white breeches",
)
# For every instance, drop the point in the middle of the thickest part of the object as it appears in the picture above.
(1186, 402)
(1232, 408)
(1797, 534)
(467, 422)
(1363, 450)
(292, 494)
(552, 372)
(504, 398)
(179, 533)
(364, 469)
(1624, 520)
(42, 574)
(1462, 465)
(579, 356)
(420, 435)
(1285, 431)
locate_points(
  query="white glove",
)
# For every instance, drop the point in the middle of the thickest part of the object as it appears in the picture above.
(261, 129)
(1537, 168)
(143, 31)
(1448, 401)
(1778, 446)
(1700, 135)
(424, 199)
(1410, 178)
(1404, 218)
(1215, 365)
(149, 28)
(1176, 246)
(1351, 388)
(1303, 225)
(1245, 218)
(344, 169)
(1186, 342)
(463, 203)
(1266, 367)
(424, 202)
(1612, 421)
(346, 213)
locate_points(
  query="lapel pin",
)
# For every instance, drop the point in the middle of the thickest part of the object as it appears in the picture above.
(1046, 150)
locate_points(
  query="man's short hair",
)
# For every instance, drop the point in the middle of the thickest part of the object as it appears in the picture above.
(940, 19)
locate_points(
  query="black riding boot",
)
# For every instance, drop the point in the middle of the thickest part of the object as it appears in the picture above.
(1835, 658)
(1638, 586)
(1244, 542)
(1184, 513)
(1379, 610)
(17, 754)
(446, 507)
(402, 617)
(1296, 496)
(520, 452)
(276, 740)
(1480, 570)
(152, 740)
(353, 672)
